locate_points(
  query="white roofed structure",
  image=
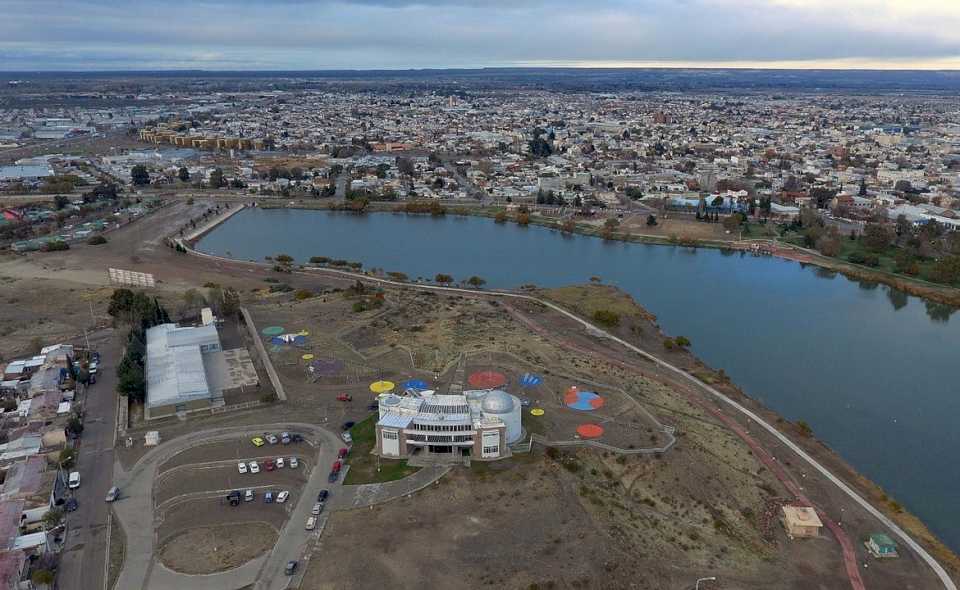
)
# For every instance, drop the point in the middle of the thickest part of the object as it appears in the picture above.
(176, 376)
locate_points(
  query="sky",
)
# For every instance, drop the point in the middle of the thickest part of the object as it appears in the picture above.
(400, 34)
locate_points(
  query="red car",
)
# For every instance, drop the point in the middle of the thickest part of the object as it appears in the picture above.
(344, 397)
(343, 453)
(269, 465)
(336, 467)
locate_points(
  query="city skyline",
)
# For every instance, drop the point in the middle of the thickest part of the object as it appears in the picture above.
(364, 34)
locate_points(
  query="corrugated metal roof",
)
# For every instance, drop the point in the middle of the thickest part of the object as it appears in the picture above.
(175, 372)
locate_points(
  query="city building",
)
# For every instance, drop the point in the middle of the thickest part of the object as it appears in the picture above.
(177, 359)
(478, 424)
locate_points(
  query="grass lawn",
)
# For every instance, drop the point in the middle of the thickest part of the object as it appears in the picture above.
(363, 464)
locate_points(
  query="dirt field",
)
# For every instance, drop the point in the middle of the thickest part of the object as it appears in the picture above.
(535, 523)
(217, 512)
(208, 550)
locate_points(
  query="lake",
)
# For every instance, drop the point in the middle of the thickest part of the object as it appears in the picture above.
(870, 368)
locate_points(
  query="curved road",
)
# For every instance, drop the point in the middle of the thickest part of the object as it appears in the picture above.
(135, 511)
(938, 569)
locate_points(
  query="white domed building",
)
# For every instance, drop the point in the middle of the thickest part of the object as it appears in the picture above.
(478, 424)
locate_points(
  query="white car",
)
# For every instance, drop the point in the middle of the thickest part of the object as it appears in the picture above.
(242, 467)
(254, 468)
(294, 463)
(311, 523)
(317, 509)
(74, 481)
(282, 496)
(279, 462)
(272, 439)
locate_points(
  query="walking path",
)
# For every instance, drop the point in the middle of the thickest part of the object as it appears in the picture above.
(938, 569)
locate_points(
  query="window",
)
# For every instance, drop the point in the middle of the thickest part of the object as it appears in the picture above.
(389, 434)
(491, 450)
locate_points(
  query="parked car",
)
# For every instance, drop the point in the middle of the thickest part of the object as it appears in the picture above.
(344, 397)
(296, 437)
(249, 495)
(72, 504)
(242, 467)
(337, 466)
(73, 482)
(285, 438)
(254, 468)
(323, 495)
(113, 493)
(269, 465)
(342, 453)
(234, 498)
(348, 425)
(311, 523)
(280, 463)
(334, 476)
(268, 498)
(347, 438)
(291, 567)
(257, 441)
(373, 407)
(282, 496)
(271, 438)
(317, 508)
(294, 463)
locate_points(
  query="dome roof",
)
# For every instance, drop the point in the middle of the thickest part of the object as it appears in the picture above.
(497, 402)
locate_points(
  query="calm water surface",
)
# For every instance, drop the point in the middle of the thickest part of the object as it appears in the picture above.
(872, 370)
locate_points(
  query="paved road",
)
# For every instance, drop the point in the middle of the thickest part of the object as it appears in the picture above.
(84, 558)
(135, 512)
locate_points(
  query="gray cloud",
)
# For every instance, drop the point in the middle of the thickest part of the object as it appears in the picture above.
(316, 34)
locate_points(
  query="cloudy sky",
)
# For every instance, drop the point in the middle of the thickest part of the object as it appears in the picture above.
(365, 34)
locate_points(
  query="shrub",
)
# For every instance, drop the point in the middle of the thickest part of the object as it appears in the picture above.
(319, 260)
(96, 240)
(669, 344)
(682, 341)
(55, 246)
(607, 318)
(302, 294)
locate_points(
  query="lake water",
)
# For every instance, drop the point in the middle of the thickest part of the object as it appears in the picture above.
(871, 369)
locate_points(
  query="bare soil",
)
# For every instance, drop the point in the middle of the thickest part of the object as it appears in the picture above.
(212, 549)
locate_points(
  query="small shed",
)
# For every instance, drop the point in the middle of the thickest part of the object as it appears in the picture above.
(801, 521)
(881, 545)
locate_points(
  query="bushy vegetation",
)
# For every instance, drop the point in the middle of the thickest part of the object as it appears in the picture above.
(140, 313)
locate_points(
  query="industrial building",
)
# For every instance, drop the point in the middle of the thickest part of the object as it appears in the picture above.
(177, 366)
(479, 424)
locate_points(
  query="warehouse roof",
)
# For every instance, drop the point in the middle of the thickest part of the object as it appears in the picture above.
(175, 371)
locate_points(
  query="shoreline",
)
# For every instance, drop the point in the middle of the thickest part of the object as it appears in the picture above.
(855, 485)
(942, 294)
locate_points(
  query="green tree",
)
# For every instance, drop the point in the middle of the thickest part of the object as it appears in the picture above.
(443, 279)
(60, 202)
(876, 237)
(476, 282)
(946, 270)
(183, 174)
(42, 577)
(52, 518)
(216, 178)
(140, 175)
(66, 457)
(651, 220)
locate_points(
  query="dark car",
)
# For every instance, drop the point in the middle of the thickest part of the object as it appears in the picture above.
(71, 505)
(291, 567)
(296, 437)
(323, 495)
(373, 407)
(334, 476)
(348, 425)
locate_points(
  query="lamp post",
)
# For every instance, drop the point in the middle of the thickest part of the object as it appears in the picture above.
(710, 579)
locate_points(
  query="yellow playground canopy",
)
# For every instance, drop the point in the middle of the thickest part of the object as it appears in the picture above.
(382, 386)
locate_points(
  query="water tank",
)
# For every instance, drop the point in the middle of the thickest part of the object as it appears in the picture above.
(506, 407)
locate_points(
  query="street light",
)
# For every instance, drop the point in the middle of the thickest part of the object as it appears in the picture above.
(710, 579)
